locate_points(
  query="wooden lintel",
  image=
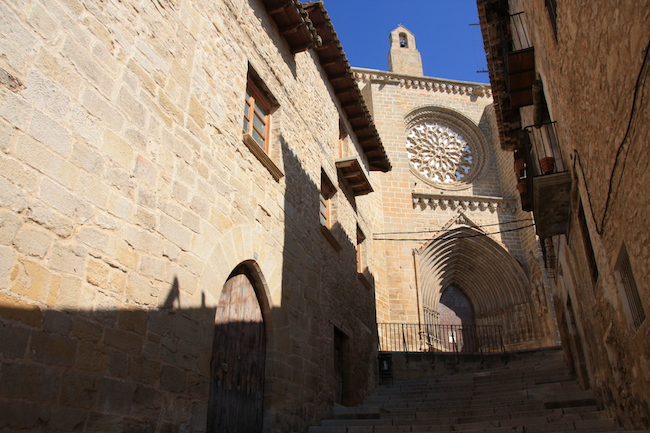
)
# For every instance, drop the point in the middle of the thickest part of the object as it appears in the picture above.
(357, 185)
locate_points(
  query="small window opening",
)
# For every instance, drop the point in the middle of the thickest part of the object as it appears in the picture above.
(360, 238)
(403, 40)
(628, 291)
(589, 250)
(257, 116)
(343, 135)
(326, 192)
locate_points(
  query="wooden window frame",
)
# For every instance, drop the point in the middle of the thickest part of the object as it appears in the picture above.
(360, 238)
(325, 214)
(325, 208)
(256, 97)
(258, 94)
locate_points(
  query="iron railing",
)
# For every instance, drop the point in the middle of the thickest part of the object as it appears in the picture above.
(409, 337)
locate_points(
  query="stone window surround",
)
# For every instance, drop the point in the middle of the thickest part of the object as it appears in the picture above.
(258, 90)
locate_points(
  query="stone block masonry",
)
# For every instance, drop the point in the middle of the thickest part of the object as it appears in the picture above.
(127, 198)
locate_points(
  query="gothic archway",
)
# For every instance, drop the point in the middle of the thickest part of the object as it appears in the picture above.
(490, 277)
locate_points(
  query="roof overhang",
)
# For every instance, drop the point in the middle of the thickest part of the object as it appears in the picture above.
(356, 179)
(293, 23)
(336, 67)
(491, 12)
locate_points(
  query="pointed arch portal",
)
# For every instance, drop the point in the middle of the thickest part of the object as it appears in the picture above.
(476, 268)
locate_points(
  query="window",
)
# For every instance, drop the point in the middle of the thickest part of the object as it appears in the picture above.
(343, 139)
(360, 238)
(628, 291)
(259, 107)
(551, 6)
(257, 116)
(589, 251)
(326, 192)
(325, 211)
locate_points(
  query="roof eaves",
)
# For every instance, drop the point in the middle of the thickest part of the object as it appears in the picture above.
(341, 77)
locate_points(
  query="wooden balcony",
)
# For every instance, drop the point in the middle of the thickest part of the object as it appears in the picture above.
(551, 203)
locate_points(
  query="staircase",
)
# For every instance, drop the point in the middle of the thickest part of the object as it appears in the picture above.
(529, 395)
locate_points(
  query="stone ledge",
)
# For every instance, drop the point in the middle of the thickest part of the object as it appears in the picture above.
(263, 157)
(429, 83)
(443, 201)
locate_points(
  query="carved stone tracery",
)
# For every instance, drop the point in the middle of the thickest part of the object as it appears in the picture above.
(439, 153)
(445, 149)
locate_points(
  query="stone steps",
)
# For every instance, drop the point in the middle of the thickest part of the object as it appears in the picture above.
(525, 396)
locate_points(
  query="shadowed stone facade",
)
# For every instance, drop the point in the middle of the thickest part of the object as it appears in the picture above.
(578, 94)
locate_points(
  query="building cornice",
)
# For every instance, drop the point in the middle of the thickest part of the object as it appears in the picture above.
(426, 83)
(464, 202)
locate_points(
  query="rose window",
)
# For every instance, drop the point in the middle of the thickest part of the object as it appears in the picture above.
(439, 154)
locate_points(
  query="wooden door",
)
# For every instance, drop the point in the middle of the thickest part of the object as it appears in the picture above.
(237, 365)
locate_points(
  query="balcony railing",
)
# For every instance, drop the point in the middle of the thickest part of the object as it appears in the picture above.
(546, 182)
(409, 337)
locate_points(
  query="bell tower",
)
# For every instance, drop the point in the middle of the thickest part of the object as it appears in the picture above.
(403, 57)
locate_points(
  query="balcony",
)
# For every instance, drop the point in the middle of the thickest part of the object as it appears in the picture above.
(519, 60)
(549, 180)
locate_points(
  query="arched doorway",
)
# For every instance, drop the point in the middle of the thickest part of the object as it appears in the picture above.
(491, 280)
(238, 354)
(456, 315)
(455, 308)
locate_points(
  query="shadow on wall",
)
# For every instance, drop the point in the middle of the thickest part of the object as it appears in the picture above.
(108, 371)
(136, 370)
(330, 315)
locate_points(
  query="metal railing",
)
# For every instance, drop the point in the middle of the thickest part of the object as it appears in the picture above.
(411, 337)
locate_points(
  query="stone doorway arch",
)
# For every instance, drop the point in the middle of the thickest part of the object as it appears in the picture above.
(492, 280)
(236, 400)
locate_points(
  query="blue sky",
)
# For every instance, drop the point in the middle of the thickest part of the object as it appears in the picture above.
(449, 46)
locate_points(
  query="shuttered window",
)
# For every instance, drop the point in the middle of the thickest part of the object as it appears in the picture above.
(628, 290)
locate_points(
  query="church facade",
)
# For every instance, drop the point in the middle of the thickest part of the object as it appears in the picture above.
(452, 223)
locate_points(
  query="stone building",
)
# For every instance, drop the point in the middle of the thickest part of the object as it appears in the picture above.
(458, 248)
(186, 213)
(571, 101)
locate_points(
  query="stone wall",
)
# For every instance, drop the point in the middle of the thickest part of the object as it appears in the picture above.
(127, 197)
(595, 82)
